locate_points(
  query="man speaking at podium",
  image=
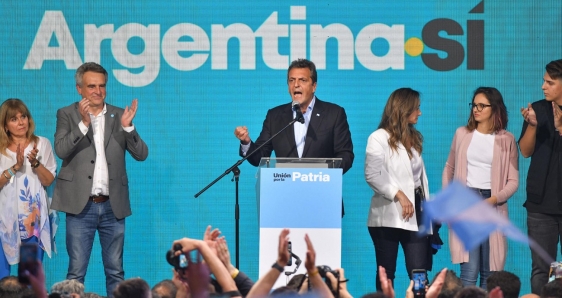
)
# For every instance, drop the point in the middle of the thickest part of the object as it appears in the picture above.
(324, 133)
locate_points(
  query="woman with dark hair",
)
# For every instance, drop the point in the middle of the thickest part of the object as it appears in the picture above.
(395, 171)
(28, 166)
(483, 156)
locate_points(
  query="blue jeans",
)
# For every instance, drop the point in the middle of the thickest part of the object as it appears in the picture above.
(80, 231)
(5, 266)
(478, 262)
(545, 229)
(478, 258)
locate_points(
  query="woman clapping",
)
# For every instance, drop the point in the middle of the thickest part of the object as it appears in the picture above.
(28, 166)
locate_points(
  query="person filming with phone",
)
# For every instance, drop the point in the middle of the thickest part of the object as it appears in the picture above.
(28, 166)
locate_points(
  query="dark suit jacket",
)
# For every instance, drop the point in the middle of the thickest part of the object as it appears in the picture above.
(327, 136)
(78, 154)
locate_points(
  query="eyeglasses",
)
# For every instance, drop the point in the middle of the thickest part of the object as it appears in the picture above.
(479, 106)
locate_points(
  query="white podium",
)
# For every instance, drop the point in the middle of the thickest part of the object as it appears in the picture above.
(305, 196)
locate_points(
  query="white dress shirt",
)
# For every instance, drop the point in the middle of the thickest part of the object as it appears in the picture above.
(100, 183)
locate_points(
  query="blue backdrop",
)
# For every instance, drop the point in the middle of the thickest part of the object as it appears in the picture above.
(201, 68)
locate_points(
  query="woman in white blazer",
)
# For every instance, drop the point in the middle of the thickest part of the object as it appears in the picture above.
(395, 171)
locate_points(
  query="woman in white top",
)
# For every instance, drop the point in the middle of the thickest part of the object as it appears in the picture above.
(483, 156)
(395, 171)
(28, 166)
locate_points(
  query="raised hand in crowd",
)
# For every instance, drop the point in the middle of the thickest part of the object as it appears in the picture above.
(210, 237)
(495, 293)
(314, 278)
(183, 287)
(264, 285)
(433, 290)
(437, 285)
(386, 284)
(215, 265)
(37, 281)
(224, 255)
(198, 277)
(220, 248)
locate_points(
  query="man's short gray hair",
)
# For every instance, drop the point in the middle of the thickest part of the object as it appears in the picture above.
(69, 286)
(88, 66)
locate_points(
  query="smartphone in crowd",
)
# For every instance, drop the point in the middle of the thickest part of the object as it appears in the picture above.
(419, 276)
(29, 257)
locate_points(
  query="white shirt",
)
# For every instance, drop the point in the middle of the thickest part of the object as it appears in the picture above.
(479, 157)
(302, 128)
(100, 182)
(417, 167)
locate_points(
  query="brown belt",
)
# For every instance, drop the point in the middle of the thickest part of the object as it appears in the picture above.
(99, 199)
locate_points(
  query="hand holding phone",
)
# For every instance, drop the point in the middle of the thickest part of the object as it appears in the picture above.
(29, 257)
(290, 248)
(178, 262)
(419, 276)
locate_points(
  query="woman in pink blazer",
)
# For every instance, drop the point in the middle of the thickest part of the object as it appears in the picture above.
(483, 156)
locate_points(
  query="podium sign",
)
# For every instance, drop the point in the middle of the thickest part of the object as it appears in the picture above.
(306, 201)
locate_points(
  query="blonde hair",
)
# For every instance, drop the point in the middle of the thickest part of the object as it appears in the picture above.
(400, 105)
(10, 108)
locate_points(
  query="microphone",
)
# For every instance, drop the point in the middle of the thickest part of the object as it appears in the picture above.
(297, 108)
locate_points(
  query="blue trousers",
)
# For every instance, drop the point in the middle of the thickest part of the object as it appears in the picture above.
(478, 258)
(478, 263)
(5, 266)
(80, 231)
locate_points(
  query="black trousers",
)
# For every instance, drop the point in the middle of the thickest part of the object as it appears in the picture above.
(546, 230)
(386, 241)
(416, 249)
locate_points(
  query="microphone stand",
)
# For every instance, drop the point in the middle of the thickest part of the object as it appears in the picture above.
(236, 171)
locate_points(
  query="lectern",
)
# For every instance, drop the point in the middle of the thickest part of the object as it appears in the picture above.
(304, 195)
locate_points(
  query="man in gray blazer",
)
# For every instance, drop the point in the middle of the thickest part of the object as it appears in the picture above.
(92, 186)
